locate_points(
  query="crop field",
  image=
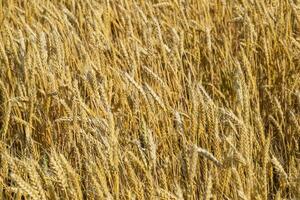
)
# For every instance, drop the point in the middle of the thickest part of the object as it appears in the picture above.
(149, 99)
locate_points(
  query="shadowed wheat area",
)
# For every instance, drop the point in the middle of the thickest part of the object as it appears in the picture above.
(136, 99)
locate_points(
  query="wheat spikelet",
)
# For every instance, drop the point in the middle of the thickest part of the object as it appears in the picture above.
(59, 172)
(36, 182)
(208, 155)
(193, 165)
(59, 47)
(208, 39)
(152, 148)
(164, 194)
(279, 108)
(97, 192)
(149, 187)
(294, 120)
(158, 30)
(104, 98)
(3, 54)
(162, 4)
(277, 126)
(208, 191)
(279, 168)
(154, 76)
(73, 177)
(102, 179)
(6, 120)
(131, 175)
(179, 123)
(155, 96)
(135, 84)
(239, 87)
(69, 15)
(96, 188)
(22, 44)
(265, 161)
(25, 187)
(137, 162)
(240, 190)
(43, 47)
(295, 10)
(142, 14)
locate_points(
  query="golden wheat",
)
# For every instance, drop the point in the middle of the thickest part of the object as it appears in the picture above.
(134, 99)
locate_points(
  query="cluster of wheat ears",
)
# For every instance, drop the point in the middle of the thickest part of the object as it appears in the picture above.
(148, 99)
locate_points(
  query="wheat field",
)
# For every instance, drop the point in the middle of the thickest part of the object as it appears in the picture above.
(148, 99)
